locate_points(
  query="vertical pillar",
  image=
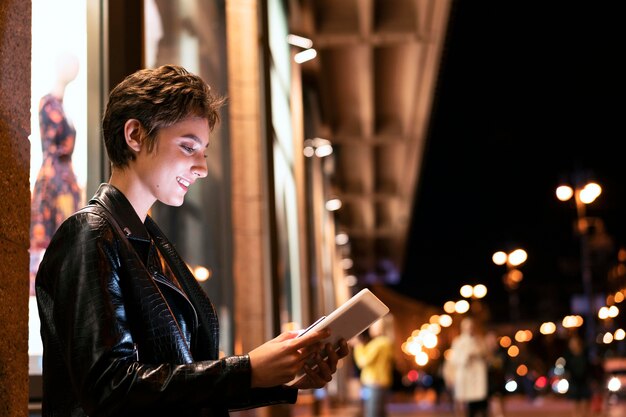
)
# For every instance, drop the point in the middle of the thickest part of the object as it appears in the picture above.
(252, 295)
(124, 40)
(249, 195)
(15, 61)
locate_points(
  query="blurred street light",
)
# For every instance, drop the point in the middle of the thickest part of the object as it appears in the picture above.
(466, 291)
(547, 327)
(477, 291)
(584, 195)
(461, 306)
(474, 295)
(512, 277)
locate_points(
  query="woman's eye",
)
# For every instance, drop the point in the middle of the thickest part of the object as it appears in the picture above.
(187, 149)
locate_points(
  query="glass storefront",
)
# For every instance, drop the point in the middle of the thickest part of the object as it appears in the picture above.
(285, 140)
(191, 33)
(72, 68)
(70, 74)
(58, 174)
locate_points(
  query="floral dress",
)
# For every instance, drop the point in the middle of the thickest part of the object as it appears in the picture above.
(56, 194)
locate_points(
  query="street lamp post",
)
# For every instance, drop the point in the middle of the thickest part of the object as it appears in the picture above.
(583, 196)
(512, 277)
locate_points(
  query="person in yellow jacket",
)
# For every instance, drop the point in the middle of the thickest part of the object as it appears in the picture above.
(375, 360)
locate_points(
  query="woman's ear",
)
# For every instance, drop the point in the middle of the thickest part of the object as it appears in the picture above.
(133, 133)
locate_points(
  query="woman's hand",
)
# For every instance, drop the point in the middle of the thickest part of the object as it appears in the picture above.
(277, 361)
(321, 371)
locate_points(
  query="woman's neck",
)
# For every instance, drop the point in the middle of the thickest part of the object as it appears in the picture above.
(125, 181)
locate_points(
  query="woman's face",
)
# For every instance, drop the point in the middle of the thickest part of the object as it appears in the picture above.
(175, 163)
(467, 326)
(376, 329)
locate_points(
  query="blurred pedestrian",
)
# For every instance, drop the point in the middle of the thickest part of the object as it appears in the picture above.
(375, 359)
(469, 358)
(497, 364)
(442, 386)
(448, 373)
(579, 373)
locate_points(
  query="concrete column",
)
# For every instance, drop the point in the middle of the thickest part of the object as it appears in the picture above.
(15, 52)
(249, 195)
(250, 199)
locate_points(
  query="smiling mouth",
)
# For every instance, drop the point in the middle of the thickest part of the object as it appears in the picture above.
(183, 181)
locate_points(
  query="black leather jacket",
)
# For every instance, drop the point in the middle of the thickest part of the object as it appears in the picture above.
(126, 329)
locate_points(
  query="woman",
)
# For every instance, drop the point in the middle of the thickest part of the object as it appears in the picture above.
(126, 328)
(375, 359)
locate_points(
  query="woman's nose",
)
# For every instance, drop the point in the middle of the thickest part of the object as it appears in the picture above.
(200, 170)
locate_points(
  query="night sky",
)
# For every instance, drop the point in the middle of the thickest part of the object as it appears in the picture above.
(530, 94)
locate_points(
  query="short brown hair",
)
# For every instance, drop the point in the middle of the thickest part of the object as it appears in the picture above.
(157, 98)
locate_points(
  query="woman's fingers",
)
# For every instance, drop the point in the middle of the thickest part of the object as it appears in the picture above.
(332, 358)
(321, 366)
(292, 334)
(310, 338)
(325, 368)
(344, 349)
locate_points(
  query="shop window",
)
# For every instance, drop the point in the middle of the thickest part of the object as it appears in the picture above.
(58, 168)
(192, 33)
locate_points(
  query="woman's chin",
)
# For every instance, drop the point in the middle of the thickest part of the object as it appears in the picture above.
(174, 202)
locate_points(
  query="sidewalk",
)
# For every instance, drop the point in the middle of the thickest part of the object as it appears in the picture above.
(406, 406)
(399, 405)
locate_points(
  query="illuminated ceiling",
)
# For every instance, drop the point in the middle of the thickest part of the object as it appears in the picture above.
(370, 92)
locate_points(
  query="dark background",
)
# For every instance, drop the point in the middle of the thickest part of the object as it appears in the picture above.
(530, 94)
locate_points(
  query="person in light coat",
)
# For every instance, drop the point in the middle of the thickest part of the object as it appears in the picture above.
(376, 361)
(469, 360)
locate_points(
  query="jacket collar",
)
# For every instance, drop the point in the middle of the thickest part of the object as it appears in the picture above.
(120, 208)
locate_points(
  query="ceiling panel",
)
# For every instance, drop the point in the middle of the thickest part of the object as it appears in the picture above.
(374, 77)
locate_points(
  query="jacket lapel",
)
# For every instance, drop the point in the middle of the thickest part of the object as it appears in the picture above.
(154, 326)
(208, 329)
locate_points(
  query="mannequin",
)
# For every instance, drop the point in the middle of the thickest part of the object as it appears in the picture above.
(56, 194)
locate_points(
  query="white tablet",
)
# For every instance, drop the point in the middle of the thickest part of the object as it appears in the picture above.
(350, 319)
